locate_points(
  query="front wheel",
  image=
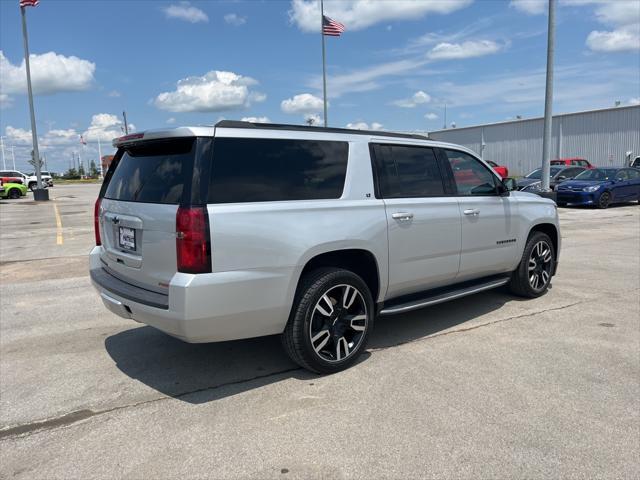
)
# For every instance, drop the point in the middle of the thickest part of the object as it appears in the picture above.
(605, 200)
(14, 193)
(330, 321)
(533, 275)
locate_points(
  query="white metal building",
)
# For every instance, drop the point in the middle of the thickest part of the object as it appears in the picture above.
(604, 137)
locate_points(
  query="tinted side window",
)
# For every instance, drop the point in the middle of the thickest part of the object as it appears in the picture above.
(266, 170)
(633, 174)
(571, 172)
(152, 173)
(407, 172)
(622, 175)
(471, 176)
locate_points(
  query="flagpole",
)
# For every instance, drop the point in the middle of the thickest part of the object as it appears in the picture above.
(39, 193)
(324, 66)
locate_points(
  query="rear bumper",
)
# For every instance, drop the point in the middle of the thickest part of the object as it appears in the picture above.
(203, 308)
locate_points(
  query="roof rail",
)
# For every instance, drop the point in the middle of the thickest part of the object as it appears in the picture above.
(306, 128)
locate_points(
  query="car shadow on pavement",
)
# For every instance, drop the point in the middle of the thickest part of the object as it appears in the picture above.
(199, 373)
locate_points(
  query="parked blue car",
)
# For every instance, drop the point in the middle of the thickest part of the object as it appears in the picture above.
(601, 187)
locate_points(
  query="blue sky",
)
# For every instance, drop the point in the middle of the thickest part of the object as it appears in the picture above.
(175, 63)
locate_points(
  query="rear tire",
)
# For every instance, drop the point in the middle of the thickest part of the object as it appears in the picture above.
(14, 193)
(329, 325)
(32, 186)
(533, 276)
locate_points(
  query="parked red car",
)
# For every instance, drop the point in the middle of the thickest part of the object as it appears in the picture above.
(499, 169)
(573, 161)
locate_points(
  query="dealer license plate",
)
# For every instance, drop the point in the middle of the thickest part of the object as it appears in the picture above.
(127, 238)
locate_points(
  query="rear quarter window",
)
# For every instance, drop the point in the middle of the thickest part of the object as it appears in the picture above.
(152, 173)
(265, 170)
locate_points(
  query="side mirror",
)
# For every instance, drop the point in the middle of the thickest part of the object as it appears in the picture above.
(561, 178)
(510, 184)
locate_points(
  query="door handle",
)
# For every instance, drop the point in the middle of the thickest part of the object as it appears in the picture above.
(402, 215)
(472, 211)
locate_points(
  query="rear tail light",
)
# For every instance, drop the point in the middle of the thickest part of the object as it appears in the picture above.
(96, 221)
(193, 242)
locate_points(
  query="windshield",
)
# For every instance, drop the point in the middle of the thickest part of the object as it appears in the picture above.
(598, 174)
(537, 173)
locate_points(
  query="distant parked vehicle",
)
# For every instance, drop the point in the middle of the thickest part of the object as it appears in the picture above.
(499, 169)
(13, 190)
(29, 180)
(533, 181)
(635, 163)
(46, 178)
(573, 162)
(11, 176)
(601, 187)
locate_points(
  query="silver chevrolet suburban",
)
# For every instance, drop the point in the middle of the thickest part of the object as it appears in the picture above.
(241, 230)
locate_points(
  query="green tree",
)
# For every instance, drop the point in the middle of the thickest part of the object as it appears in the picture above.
(71, 173)
(32, 162)
(81, 171)
(93, 169)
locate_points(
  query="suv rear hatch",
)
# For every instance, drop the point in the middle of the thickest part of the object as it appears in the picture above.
(144, 188)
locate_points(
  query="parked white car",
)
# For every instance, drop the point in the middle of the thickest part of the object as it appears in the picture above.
(244, 230)
(29, 180)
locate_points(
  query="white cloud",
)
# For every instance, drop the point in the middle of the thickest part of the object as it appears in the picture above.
(53, 138)
(171, 120)
(634, 101)
(366, 79)
(531, 7)
(417, 98)
(235, 19)
(364, 126)
(302, 103)
(185, 11)
(5, 101)
(213, 92)
(106, 127)
(622, 15)
(431, 116)
(256, 119)
(468, 49)
(114, 94)
(578, 87)
(624, 39)
(361, 14)
(50, 73)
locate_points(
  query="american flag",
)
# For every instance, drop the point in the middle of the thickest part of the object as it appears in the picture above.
(331, 27)
(29, 3)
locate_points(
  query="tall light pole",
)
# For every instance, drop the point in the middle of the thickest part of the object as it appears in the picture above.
(39, 193)
(548, 99)
(4, 162)
(13, 157)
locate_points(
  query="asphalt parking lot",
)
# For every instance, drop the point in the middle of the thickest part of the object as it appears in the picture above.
(489, 386)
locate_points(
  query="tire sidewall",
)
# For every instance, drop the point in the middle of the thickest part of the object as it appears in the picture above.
(606, 195)
(337, 277)
(524, 266)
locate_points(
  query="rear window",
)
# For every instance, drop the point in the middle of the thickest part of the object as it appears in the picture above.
(266, 170)
(153, 172)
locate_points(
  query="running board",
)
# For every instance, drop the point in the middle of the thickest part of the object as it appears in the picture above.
(441, 297)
